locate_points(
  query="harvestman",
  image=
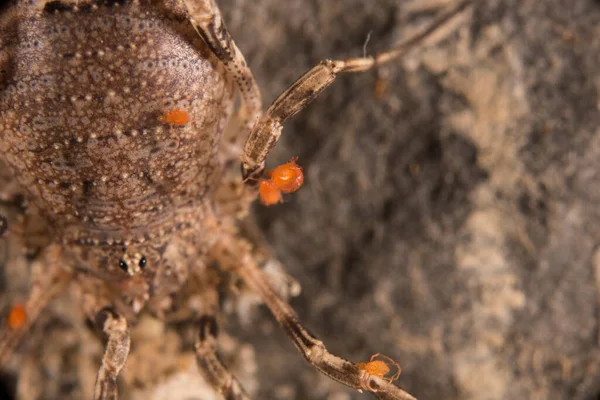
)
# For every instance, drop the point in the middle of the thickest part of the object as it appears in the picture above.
(129, 238)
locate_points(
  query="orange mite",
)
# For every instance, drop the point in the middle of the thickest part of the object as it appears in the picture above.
(269, 193)
(288, 177)
(175, 117)
(378, 368)
(17, 316)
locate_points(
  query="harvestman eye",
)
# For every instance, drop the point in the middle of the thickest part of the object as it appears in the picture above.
(123, 265)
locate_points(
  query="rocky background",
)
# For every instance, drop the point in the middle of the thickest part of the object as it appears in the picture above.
(451, 213)
(450, 220)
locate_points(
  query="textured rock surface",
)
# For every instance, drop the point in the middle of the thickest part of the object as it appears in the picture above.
(451, 222)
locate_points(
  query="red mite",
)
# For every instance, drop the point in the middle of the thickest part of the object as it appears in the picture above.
(175, 117)
(269, 193)
(378, 368)
(288, 177)
(17, 316)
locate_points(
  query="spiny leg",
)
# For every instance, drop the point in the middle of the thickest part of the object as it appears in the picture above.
(47, 281)
(206, 18)
(115, 356)
(236, 255)
(267, 131)
(211, 366)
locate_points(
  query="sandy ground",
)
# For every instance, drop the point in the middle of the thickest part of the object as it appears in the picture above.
(451, 213)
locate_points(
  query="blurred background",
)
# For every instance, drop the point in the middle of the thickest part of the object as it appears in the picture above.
(450, 216)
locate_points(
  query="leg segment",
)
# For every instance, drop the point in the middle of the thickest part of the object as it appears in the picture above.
(3, 225)
(117, 349)
(206, 18)
(267, 131)
(211, 366)
(48, 281)
(208, 361)
(236, 256)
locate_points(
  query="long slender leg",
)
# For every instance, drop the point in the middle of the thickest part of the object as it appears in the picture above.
(236, 256)
(47, 281)
(211, 366)
(267, 131)
(206, 18)
(117, 350)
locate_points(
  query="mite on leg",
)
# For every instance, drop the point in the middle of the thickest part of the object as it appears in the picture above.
(267, 131)
(288, 177)
(235, 255)
(379, 368)
(17, 316)
(269, 193)
(47, 282)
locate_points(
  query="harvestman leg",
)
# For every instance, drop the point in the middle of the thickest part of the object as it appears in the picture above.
(212, 368)
(206, 18)
(236, 255)
(46, 283)
(115, 356)
(267, 131)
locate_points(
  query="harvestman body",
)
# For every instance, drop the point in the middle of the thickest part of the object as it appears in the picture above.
(131, 200)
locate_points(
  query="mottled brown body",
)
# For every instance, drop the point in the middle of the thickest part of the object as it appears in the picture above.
(79, 117)
(79, 122)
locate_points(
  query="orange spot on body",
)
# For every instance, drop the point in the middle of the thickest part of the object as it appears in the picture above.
(175, 117)
(269, 193)
(17, 316)
(288, 177)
